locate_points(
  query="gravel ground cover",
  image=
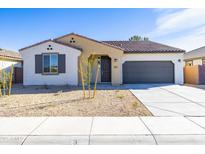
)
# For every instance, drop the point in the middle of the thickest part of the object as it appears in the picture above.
(68, 101)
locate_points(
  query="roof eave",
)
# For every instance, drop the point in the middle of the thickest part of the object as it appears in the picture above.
(133, 52)
(104, 43)
(11, 58)
(50, 40)
(35, 44)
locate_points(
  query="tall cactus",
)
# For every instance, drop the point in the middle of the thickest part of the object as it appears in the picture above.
(96, 80)
(0, 83)
(82, 79)
(86, 67)
(6, 82)
(10, 79)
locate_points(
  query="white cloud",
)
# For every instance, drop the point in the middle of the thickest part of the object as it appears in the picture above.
(189, 41)
(177, 21)
(164, 11)
(181, 28)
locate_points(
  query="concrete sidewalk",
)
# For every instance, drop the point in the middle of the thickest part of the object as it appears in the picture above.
(102, 130)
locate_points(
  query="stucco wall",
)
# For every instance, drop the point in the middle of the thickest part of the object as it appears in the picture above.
(197, 62)
(191, 74)
(91, 47)
(31, 78)
(174, 57)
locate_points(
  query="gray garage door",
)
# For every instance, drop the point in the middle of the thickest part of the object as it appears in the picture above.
(148, 72)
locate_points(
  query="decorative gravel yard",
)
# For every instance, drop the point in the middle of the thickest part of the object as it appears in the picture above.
(68, 101)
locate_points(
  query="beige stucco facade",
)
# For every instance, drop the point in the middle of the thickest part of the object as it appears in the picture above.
(118, 57)
(91, 47)
(111, 68)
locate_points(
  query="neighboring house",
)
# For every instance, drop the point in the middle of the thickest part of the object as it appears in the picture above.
(56, 61)
(194, 71)
(7, 58)
(195, 57)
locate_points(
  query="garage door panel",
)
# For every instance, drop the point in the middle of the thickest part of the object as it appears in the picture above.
(148, 72)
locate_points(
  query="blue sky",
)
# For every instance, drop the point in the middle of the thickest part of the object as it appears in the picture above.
(183, 28)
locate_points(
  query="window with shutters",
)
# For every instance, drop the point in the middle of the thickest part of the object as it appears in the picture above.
(50, 63)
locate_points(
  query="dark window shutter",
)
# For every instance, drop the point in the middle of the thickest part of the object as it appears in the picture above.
(61, 63)
(38, 63)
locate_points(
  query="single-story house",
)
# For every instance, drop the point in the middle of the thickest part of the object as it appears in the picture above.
(195, 57)
(8, 58)
(194, 71)
(56, 61)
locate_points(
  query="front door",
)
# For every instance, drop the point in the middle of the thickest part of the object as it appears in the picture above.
(105, 69)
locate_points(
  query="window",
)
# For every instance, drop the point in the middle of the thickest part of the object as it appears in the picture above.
(50, 63)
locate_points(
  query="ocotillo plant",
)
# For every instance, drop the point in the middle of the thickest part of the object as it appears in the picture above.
(0, 83)
(0, 89)
(82, 79)
(10, 79)
(86, 67)
(6, 82)
(96, 79)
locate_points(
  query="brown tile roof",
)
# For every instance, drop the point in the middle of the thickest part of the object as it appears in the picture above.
(8, 54)
(126, 46)
(88, 39)
(144, 47)
(55, 41)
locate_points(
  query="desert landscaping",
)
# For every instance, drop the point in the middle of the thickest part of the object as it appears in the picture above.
(68, 101)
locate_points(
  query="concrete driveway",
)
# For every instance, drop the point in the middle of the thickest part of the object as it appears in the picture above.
(171, 100)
